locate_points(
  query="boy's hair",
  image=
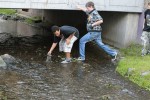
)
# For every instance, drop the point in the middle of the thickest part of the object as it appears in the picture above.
(55, 28)
(90, 4)
(148, 3)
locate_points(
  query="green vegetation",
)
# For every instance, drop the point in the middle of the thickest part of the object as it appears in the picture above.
(7, 11)
(32, 20)
(134, 66)
(29, 21)
(2, 95)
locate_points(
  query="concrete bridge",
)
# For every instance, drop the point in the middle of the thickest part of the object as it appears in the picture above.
(122, 18)
(103, 5)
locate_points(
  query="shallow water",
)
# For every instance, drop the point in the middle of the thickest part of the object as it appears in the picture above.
(34, 79)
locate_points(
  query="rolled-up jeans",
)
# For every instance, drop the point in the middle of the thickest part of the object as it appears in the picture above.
(96, 37)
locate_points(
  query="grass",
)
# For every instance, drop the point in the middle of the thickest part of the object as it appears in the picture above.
(7, 11)
(133, 60)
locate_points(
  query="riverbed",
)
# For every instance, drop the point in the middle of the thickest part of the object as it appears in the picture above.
(31, 78)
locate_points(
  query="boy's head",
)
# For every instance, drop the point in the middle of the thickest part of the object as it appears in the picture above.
(56, 30)
(90, 6)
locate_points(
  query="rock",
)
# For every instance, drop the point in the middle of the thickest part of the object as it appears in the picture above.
(127, 91)
(145, 73)
(49, 58)
(4, 37)
(130, 71)
(32, 58)
(11, 62)
(4, 17)
(2, 64)
(8, 59)
(15, 18)
(106, 97)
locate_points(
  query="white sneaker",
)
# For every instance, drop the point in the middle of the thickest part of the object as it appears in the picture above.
(66, 61)
(114, 58)
(80, 59)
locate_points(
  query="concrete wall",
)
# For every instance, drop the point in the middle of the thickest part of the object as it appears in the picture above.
(8, 26)
(17, 28)
(24, 29)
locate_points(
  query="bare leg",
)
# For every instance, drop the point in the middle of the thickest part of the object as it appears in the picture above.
(68, 59)
(67, 55)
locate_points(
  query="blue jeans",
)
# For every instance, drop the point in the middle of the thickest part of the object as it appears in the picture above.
(96, 36)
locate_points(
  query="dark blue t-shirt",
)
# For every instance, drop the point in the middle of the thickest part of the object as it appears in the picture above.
(147, 21)
(66, 31)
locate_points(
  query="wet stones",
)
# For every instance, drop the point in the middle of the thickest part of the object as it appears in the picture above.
(12, 17)
(8, 61)
(4, 37)
(2, 64)
(106, 97)
(8, 39)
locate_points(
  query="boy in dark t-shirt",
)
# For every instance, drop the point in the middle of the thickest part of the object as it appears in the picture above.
(66, 36)
(146, 32)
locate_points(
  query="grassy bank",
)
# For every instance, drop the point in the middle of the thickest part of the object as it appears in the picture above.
(134, 66)
(7, 11)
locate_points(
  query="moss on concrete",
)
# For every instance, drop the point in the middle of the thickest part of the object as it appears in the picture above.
(7, 11)
(32, 20)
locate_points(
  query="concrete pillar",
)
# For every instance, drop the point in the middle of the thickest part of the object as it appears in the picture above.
(119, 28)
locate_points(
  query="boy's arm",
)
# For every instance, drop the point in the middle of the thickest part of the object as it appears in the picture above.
(81, 8)
(97, 23)
(52, 48)
(69, 38)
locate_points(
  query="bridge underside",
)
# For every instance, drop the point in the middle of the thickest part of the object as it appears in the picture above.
(119, 29)
(103, 5)
(121, 17)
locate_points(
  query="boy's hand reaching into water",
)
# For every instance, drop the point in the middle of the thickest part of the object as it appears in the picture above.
(49, 57)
